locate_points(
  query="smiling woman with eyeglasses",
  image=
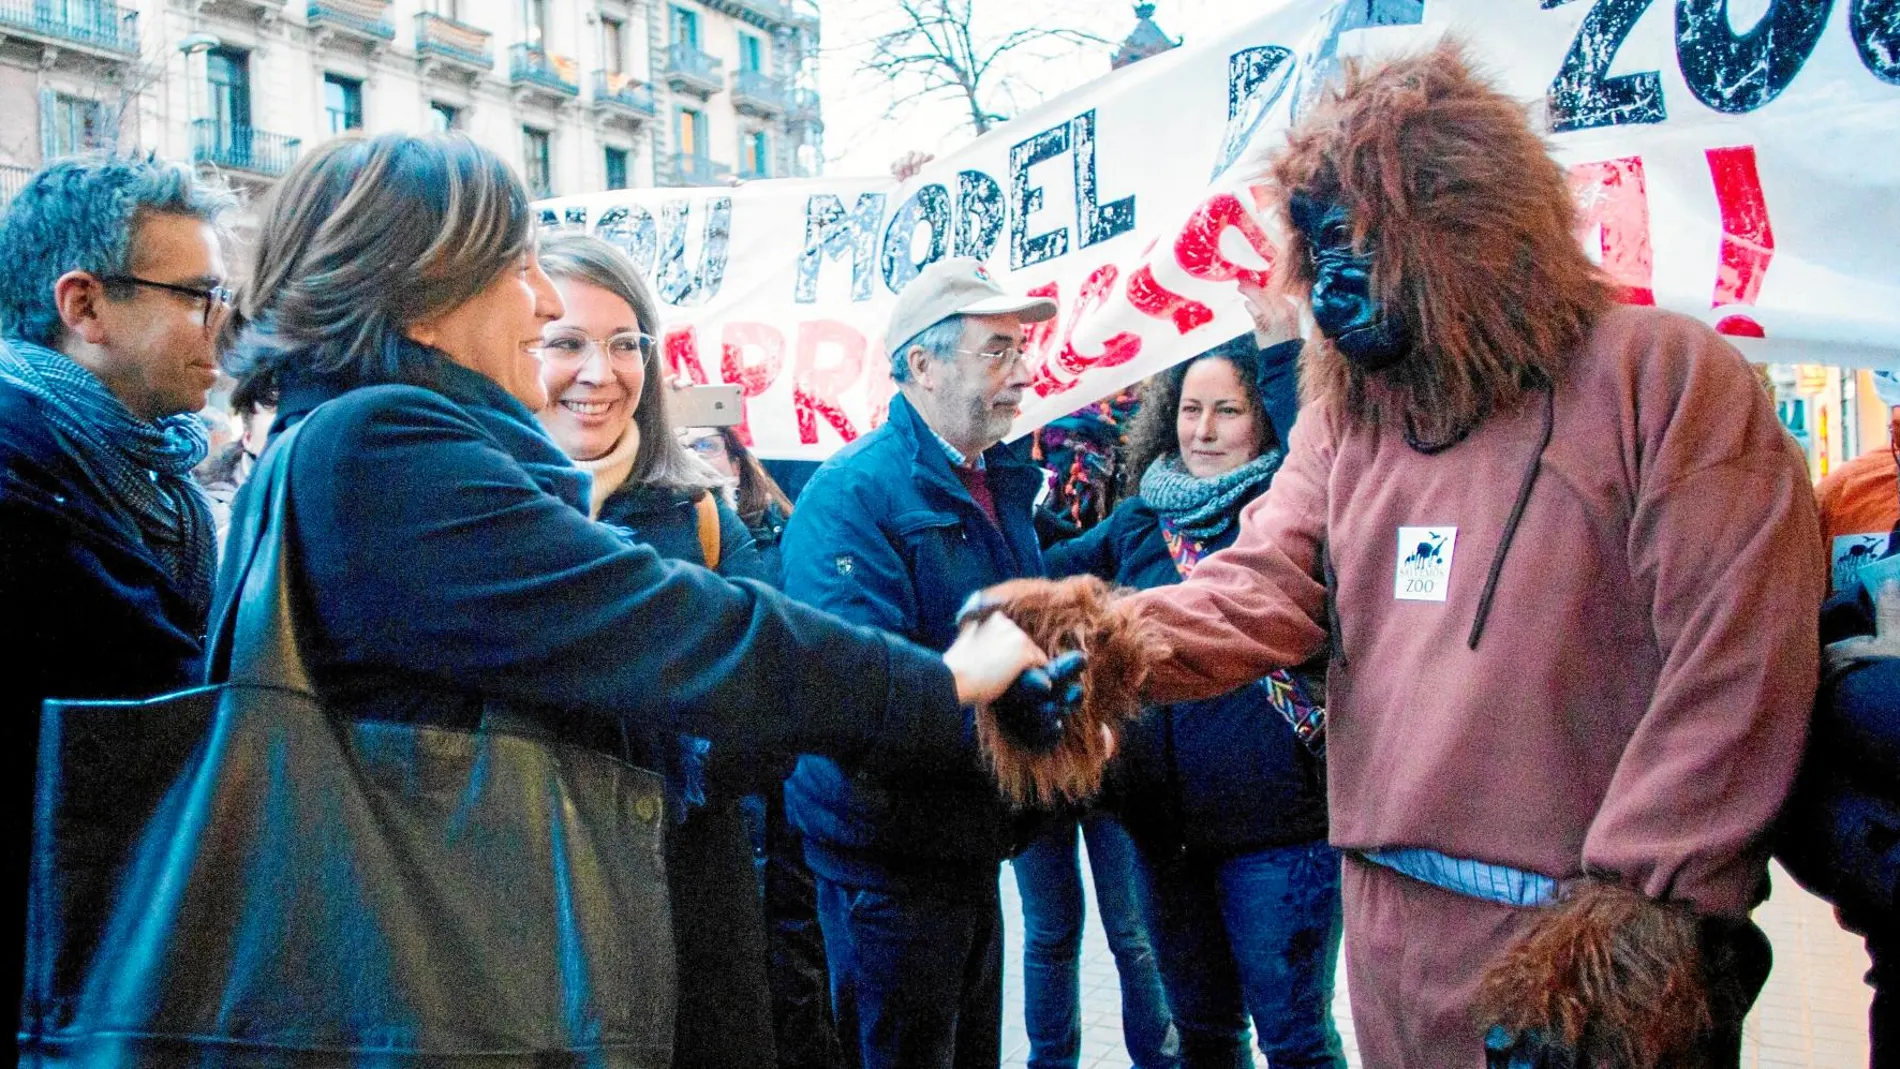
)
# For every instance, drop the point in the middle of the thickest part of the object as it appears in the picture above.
(607, 411)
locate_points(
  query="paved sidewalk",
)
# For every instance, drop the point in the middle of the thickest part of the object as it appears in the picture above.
(1812, 1015)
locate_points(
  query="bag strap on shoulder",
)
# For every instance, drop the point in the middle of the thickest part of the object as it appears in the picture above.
(707, 508)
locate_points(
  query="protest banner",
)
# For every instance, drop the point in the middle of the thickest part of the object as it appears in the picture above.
(1745, 176)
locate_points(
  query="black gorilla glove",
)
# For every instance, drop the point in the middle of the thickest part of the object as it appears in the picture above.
(1035, 708)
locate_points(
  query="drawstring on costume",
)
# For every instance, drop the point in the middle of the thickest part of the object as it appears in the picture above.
(1517, 514)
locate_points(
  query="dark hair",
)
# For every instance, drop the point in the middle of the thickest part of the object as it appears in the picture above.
(84, 214)
(1152, 433)
(364, 237)
(758, 491)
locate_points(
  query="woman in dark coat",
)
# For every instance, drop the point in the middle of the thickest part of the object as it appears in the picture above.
(446, 559)
(607, 411)
(1225, 803)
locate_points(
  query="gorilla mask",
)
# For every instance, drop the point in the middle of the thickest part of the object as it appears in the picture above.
(1344, 307)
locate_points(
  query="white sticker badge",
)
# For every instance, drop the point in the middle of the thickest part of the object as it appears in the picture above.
(1424, 572)
(1853, 552)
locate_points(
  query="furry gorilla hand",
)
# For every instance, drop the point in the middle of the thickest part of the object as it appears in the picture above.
(1606, 979)
(1057, 748)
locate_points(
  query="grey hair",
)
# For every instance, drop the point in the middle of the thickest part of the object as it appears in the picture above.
(661, 461)
(939, 339)
(84, 214)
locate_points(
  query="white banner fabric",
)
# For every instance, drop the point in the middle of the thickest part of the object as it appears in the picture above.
(1744, 175)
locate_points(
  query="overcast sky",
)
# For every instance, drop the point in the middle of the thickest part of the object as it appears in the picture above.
(861, 139)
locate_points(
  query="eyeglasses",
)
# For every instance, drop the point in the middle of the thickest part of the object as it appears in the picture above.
(629, 348)
(208, 297)
(708, 445)
(1001, 359)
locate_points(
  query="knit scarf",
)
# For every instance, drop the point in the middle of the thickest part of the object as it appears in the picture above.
(610, 469)
(1203, 508)
(142, 466)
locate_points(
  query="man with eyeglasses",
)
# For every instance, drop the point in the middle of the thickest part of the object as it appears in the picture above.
(111, 297)
(895, 531)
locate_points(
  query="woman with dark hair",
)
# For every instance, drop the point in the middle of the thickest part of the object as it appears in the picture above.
(446, 563)
(1224, 798)
(763, 507)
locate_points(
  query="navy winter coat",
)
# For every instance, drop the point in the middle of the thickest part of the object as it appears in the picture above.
(1840, 833)
(449, 561)
(85, 612)
(1218, 777)
(886, 534)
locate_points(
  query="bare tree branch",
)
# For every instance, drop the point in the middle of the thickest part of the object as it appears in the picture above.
(936, 51)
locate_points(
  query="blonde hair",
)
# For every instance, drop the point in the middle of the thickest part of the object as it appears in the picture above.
(661, 460)
(363, 238)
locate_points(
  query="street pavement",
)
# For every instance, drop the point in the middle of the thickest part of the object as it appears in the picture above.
(1812, 1015)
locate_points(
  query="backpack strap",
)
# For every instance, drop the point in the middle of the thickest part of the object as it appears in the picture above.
(708, 509)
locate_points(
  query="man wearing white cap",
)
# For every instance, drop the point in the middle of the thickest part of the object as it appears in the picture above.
(895, 531)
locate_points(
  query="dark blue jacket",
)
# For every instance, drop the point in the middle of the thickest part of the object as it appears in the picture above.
(85, 612)
(885, 534)
(449, 562)
(1216, 777)
(1840, 833)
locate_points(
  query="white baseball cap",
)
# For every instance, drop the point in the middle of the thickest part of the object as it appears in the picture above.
(959, 285)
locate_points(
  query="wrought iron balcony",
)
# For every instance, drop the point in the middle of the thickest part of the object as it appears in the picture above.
(691, 71)
(617, 93)
(361, 20)
(530, 67)
(456, 43)
(765, 14)
(687, 169)
(98, 25)
(243, 148)
(804, 109)
(761, 94)
(12, 180)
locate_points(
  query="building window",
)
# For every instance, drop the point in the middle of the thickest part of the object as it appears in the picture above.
(616, 168)
(534, 20)
(535, 156)
(755, 155)
(228, 78)
(751, 52)
(612, 45)
(444, 117)
(689, 132)
(685, 28)
(448, 9)
(343, 103)
(73, 126)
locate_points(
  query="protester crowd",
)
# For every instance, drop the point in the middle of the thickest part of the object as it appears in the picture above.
(1565, 704)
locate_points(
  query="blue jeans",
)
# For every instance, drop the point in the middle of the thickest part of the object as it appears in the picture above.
(1255, 935)
(916, 975)
(1050, 878)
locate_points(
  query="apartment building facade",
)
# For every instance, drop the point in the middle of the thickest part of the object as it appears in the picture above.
(581, 95)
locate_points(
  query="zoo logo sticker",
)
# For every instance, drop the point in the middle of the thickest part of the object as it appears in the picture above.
(1852, 552)
(1424, 571)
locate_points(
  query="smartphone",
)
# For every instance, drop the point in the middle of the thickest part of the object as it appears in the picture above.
(705, 406)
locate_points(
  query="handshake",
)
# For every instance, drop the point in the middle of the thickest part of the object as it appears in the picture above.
(1049, 734)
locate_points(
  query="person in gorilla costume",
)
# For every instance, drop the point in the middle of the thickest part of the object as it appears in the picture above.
(1567, 565)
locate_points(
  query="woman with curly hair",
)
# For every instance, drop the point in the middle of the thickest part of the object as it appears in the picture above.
(1223, 800)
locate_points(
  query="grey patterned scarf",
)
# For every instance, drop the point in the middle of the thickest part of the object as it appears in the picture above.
(1203, 508)
(144, 467)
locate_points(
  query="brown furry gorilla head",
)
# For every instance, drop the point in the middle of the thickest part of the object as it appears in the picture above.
(1072, 614)
(1472, 229)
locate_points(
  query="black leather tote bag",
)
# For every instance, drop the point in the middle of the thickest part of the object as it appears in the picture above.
(234, 876)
